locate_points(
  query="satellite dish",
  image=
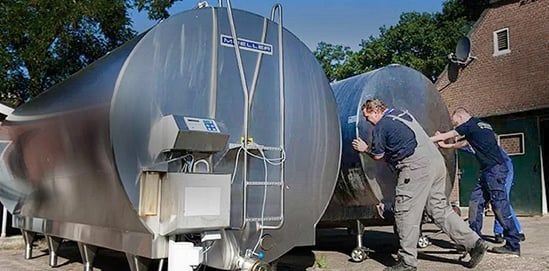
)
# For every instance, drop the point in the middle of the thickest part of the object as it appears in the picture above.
(463, 49)
(462, 53)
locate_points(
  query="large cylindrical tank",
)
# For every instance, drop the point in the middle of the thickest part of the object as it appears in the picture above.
(364, 182)
(74, 156)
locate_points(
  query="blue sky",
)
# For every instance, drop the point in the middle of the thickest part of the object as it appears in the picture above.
(344, 22)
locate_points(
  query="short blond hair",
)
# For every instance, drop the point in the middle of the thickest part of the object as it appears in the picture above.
(374, 105)
(462, 112)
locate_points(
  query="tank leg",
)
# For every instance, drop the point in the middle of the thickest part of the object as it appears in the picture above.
(360, 253)
(138, 263)
(28, 237)
(160, 264)
(87, 252)
(53, 246)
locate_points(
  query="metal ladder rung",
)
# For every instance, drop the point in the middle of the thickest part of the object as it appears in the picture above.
(265, 183)
(258, 219)
(255, 147)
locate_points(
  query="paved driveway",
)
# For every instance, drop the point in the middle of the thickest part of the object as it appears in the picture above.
(331, 252)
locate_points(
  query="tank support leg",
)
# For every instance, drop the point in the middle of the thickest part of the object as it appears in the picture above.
(28, 237)
(161, 264)
(359, 233)
(360, 253)
(138, 263)
(53, 246)
(87, 252)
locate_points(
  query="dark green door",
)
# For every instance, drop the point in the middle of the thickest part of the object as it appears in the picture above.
(520, 138)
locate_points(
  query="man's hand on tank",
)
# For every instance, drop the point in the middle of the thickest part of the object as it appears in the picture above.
(360, 145)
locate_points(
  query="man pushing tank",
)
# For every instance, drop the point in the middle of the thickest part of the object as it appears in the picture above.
(493, 173)
(421, 175)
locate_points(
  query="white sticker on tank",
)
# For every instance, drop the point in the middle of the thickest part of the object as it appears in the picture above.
(352, 119)
(248, 45)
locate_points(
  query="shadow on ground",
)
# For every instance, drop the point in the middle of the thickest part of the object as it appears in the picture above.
(383, 245)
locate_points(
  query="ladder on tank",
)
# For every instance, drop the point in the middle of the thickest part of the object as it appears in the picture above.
(274, 221)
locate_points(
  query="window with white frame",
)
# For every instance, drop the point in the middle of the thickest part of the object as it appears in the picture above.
(513, 144)
(501, 42)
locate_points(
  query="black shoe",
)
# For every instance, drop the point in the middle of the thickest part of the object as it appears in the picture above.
(400, 266)
(522, 237)
(506, 250)
(499, 238)
(477, 252)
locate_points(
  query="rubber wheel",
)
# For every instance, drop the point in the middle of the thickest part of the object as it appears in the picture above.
(423, 242)
(359, 254)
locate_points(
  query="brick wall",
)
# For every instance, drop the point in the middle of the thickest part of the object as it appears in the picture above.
(513, 82)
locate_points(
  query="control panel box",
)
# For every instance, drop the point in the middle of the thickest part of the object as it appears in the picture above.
(204, 125)
(174, 132)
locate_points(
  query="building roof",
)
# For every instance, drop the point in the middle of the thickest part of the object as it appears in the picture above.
(507, 83)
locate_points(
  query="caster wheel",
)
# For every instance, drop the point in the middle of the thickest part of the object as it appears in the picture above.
(359, 254)
(423, 242)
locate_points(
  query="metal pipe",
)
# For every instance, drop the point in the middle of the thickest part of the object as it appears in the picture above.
(53, 246)
(246, 108)
(87, 252)
(359, 231)
(4, 221)
(28, 237)
(213, 77)
(161, 264)
(258, 64)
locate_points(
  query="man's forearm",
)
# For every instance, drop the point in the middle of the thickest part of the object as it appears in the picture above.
(444, 136)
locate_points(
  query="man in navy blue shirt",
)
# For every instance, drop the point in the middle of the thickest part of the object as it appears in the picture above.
(477, 192)
(421, 182)
(491, 186)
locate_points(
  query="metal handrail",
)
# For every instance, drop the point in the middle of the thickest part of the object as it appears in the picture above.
(278, 8)
(246, 103)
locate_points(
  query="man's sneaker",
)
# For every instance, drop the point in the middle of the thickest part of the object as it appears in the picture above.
(499, 238)
(522, 237)
(400, 266)
(477, 252)
(506, 250)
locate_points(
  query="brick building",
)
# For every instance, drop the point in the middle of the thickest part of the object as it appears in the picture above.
(508, 86)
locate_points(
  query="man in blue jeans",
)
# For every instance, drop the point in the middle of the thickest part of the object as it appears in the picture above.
(491, 186)
(498, 229)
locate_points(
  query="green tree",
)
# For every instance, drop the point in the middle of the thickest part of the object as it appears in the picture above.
(156, 9)
(43, 42)
(333, 59)
(419, 40)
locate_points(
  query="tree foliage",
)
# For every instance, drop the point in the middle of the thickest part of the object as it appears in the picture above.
(156, 9)
(43, 42)
(419, 40)
(333, 59)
